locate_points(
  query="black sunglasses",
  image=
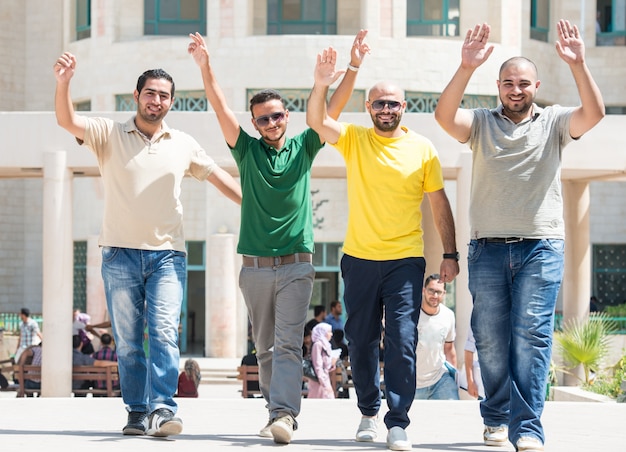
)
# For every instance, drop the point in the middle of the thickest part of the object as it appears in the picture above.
(263, 121)
(379, 105)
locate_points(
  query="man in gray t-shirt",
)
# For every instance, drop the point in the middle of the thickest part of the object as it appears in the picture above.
(515, 256)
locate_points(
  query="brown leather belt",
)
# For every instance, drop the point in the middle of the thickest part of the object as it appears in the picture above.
(276, 261)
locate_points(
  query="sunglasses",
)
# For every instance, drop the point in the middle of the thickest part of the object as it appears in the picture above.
(392, 105)
(263, 121)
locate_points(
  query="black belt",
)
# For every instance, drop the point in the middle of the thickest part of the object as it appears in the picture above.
(502, 239)
(276, 261)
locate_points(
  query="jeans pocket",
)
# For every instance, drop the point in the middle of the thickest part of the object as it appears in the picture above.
(556, 245)
(474, 249)
(109, 253)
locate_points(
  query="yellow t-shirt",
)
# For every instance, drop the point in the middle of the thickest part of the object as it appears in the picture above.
(387, 178)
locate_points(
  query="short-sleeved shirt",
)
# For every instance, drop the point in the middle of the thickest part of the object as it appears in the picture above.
(433, 331)
(28, 332)
(516, 185)
(142, 182)
(276, 211)
(387, 179)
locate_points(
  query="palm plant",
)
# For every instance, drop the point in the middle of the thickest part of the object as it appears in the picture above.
(585, 343)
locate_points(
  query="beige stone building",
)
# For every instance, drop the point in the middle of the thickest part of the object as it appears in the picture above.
(50, 192)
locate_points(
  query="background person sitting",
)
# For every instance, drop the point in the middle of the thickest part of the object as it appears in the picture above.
(189, 379)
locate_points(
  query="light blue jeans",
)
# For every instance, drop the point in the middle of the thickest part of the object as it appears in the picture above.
(445, 389)
(145, 287)
(514, 287)
(278, 300)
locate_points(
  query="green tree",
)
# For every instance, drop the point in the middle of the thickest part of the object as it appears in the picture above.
(585, 343)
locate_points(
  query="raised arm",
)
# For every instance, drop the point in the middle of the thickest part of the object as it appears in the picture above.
(317, 116)
(456, 121)
(66, 117)
(571, 49)
(342, 94)
(225, 116)
(225, 183)
(444, 222)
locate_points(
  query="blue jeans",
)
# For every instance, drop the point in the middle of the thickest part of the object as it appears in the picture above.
(145, 287)
(278, 300)
(445, 389)
(396, 286)
(514, 287)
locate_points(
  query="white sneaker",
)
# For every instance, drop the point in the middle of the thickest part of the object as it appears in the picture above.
(368, 429)
(398, 440)
(528, 444)
(496, 436)
(265, 432)
(282, 429)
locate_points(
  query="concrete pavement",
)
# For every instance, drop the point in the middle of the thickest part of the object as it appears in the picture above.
(221, 420)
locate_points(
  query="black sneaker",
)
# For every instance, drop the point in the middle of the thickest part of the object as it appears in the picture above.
(163, 423)
(137, 424)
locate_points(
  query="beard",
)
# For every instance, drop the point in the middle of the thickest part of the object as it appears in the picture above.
(519, 111)
(151, 117)
(387, 126)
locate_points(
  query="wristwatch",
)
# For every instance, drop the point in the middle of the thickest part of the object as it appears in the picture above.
(454, 256)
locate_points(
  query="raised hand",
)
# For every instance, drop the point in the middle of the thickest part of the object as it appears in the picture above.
(325, 73)
(359, 49)
(64, 67)
(475, 50)
(570, 45)
(197, 49)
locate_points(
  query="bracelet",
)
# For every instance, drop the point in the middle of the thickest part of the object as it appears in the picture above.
(353, 68)
(454, 256)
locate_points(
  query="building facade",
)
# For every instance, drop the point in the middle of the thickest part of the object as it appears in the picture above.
(256, 44)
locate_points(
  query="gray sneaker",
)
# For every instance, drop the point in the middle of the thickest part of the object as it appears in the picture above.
(282, 429)
(368, 429)
(163, 423)
(137, 424)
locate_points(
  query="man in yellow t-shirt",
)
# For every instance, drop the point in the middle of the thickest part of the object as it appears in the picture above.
(389, 168)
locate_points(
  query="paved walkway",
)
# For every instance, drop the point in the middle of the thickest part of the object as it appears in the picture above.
(220, 420)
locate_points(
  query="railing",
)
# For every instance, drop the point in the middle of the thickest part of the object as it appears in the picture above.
(619, 321)
(10, 321)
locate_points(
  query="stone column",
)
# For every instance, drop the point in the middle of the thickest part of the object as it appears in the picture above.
(221, 297)
(464, 302)
(576, 287)
(96, 300)
(58, 275)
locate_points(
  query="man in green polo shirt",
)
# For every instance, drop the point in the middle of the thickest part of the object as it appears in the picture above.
(276, 234)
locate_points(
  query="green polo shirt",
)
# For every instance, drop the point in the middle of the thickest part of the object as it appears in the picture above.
(276, 212)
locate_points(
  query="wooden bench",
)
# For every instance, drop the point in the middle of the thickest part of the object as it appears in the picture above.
(109, 375)
(6, 369)
(248, 373)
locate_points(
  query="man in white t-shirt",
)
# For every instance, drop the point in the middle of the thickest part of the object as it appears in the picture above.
(436, 356)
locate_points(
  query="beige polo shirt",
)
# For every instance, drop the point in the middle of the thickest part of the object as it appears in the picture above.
(142, 182)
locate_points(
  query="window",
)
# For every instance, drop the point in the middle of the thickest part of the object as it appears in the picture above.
(539, 19)
(80, 275)
(296, 99)
(300, 17)
(432, 17)
(83, 19)
(82, 106)
(609, 273)
(174, 17)
(611, 23)
(183, 101)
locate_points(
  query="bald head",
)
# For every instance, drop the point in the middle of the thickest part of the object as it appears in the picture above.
(382, 89)
(519, 63)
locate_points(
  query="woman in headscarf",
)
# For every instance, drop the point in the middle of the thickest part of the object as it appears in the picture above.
(323, 363)
(189, 379)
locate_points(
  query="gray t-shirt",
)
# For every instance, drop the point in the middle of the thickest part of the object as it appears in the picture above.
(516, 185)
